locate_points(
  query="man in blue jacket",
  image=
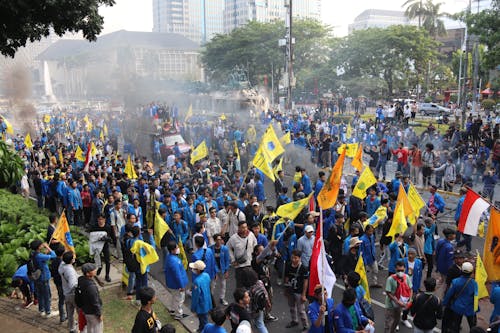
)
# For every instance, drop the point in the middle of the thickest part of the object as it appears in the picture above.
(348, 316)
(176, 279)
(206, 255)
(369, 255)
(201, 299)
(436, 202)
(445, 253)
(42, 283)
(399, 251)
(459, 301)
(222, 264)
(316, 311)
(21, 280)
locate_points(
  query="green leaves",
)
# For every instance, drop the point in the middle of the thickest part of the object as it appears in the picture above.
(11, 166)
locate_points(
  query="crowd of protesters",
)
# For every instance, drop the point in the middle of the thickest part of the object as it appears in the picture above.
(218, 210)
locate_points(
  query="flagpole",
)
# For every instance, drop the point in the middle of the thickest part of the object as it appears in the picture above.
(322, 263)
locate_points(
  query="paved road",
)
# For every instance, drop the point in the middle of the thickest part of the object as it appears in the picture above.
(280, 307)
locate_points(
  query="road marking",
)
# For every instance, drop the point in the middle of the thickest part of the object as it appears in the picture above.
(382, 305)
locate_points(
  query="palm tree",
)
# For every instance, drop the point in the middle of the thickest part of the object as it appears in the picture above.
(415, 8)
(433, 22)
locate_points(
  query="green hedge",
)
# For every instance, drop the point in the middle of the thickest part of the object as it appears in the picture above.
(21, 222)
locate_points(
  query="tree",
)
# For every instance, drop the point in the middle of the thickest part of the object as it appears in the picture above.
(33, 20)
(432, 19)
(415, 8)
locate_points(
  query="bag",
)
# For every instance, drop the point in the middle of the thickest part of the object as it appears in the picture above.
(34, 272)
(367, 309)
(403, 291)
(243, 258)
(78, 296)
(129, 259)
(258, 297)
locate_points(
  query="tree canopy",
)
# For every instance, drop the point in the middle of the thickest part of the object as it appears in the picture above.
(24, 21)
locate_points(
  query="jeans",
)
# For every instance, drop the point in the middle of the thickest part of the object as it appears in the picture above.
(203, 320)
(44, 295)
(69, 300)
(381, 166)
(429, 258)
(258, 323)
(297, 308)
(131, 283)
(60, 303)
(141, 280)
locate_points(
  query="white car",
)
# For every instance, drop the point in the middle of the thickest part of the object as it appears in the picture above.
(432, 109)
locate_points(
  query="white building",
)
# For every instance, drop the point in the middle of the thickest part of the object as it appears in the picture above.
(379, 18)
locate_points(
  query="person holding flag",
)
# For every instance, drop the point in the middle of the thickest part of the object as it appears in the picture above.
(320, 311)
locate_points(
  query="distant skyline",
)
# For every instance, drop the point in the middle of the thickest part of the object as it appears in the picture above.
(137, 15)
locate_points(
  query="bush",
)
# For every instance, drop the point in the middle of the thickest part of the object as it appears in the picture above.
(428, 99)
(488, 104)
(453, 98)
(21, 222)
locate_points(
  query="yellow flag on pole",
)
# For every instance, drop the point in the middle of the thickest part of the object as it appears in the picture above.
(271, 145)
(182, 254)
(491, 251)
(481, 277)
(9, 129)
(63, 234)
(79, 154)
(93, 149)
(377, 217)
(261, 162)
(365, 181)
(145, 254)
(351, 149)
(199, 152)
(278, 167)
(360, 269)
(327, 197)
(416, 202)
(402, 210)
(129, 169)
(286, 139)
(160, 228)
(46, 118)
(357, 161)
(348, 133)
(61, 157)
(27, 141)
(292, 209)
(101, 136)
(105, 130)
(189, 113)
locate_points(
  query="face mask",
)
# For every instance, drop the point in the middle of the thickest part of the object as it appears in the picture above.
(400, 243)
(177, 251)
(400, 274)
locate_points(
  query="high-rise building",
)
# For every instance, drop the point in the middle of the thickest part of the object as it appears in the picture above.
(379, 18)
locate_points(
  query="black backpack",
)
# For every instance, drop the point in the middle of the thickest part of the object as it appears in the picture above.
(258, 297)
(129, 258)
(78, 296)
(34, 272)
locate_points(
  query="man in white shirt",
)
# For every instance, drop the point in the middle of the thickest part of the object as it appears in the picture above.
(213, 225)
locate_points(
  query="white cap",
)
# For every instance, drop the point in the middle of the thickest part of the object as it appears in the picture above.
(244, 327)
(467, 267)
(308, 228)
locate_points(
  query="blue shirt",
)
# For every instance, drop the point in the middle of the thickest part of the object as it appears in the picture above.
(343, 319)
(212, 328)
(464, 303)
(306, 183)
(201, 299)
(459, 207)
(41, 262)
(429, 239)
(416, 277)
(313, 313)
(444, 256)
(368, 249)
(209, 261)
(175, 274)
(396, 255)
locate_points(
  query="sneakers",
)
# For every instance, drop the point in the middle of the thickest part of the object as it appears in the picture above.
(223, 302)
(43, 314)
(52, 314)
(107, 278)
(27, 305)
(270, 317)
(397, 328)
(292, 324)
(407, 323)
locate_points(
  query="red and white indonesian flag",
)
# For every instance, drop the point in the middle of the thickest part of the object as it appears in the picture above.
(88, 158)
(472, 209)
(320, 270)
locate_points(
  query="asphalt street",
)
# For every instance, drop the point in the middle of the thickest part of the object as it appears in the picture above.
(280, 305)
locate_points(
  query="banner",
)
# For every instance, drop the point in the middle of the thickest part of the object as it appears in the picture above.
(199, 153)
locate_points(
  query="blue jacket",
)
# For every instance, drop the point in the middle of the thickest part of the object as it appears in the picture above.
(318, 187)
(464, 303)
(259, 192)
(175, 274)
(213, 328)
(22, 273)
(459, 207)
(444, 256)
(189, 216)
(368, 249)
(180, 230)
(225, 260)
(495, 300)
(201, 299)
(417, 274)
(395, 255)
(306, 183)
(209, 261)
(429, 239)
(372, 206)
(139, 215)
(438, 202)
(343, 320)
(74, 199)
(313, 313)
(286, 251)
(41, 262)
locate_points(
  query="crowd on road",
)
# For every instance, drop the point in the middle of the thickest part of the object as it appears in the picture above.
(219, 214)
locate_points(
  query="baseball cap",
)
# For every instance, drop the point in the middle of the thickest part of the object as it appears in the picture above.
(308, 228)
(467, 267)
(198, 264)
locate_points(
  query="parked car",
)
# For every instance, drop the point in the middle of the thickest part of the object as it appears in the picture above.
(167, 143)
(432, 109)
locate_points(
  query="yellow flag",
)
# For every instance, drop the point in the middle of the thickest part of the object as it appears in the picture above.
(292, 209)
(61, 157)
(89, 126)
(63, 234)
(145, 254)
(93, 149)
(236, 151)
(416, 202)
(402, 210)
(481, 277)
(160, 228)
(360, 269)
(28, 142)
(46, 118)
(79, 154)
(86, 118)
(491, 251)
(351, 149)
(357, 161)
(286, 139)
(377, 217)
(327, 197)
(129, 169)
(348, 133)
(365, 181)
(199, 153)
(261, 162)
(270, 144)
(105, 129)
(189, 113)
(182, 254)
(9, 129)
(101, 136)
(251, 134)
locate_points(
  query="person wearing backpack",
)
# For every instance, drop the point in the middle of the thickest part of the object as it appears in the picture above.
(259, 300)
(398, 295)
(87, 298)
(426, 308)
(353, 279)
(42, 286)
(237, 311)
(459, 301)
(69, 279)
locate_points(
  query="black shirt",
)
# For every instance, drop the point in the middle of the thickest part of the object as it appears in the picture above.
(236, 315)
(217, 255)
(145, 322)
(296, 277)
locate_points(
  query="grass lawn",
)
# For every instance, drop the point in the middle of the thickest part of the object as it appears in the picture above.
(119, 314)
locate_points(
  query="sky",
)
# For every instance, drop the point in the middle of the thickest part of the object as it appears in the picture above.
(137, 15)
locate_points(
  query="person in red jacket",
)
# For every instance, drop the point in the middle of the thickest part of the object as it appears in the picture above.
(87, 203)
(402, 155)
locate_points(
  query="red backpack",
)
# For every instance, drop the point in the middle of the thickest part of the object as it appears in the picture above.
(403, 290)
